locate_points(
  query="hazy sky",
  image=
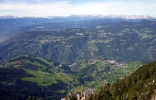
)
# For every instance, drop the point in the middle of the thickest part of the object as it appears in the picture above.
(78, 7)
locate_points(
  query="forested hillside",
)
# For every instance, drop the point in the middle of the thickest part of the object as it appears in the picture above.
(120, 41)
(140, 85)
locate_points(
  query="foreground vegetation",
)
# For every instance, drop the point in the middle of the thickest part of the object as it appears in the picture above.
(140, 85)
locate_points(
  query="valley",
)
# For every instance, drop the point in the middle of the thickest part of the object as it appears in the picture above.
(51, 59)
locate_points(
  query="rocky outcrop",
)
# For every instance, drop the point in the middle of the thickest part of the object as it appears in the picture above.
(154, 96)
(79, 95)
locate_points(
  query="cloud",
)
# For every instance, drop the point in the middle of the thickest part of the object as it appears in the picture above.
(65, 8)
(35, 9)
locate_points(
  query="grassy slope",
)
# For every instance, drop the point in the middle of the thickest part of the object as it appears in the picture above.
(102, 71)
(43, 72)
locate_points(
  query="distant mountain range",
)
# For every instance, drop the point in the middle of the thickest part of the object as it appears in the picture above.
(85, 17)
(8, 24)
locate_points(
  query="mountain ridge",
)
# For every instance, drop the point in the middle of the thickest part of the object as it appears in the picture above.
(113, 40)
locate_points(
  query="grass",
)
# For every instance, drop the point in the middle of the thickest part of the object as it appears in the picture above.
(120, 70)
(11, 64)
(44, 60)
(35, 64)
(93, 48)
(96, 84)
(101, 64)
(45, 78)
(78, 89)
(42, 78)
(130, 68)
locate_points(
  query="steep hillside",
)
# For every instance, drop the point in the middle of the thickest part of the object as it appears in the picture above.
(25, 76)
(140, 85)
(120, 41)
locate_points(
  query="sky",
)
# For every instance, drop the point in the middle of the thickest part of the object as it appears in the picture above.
(40, 8)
